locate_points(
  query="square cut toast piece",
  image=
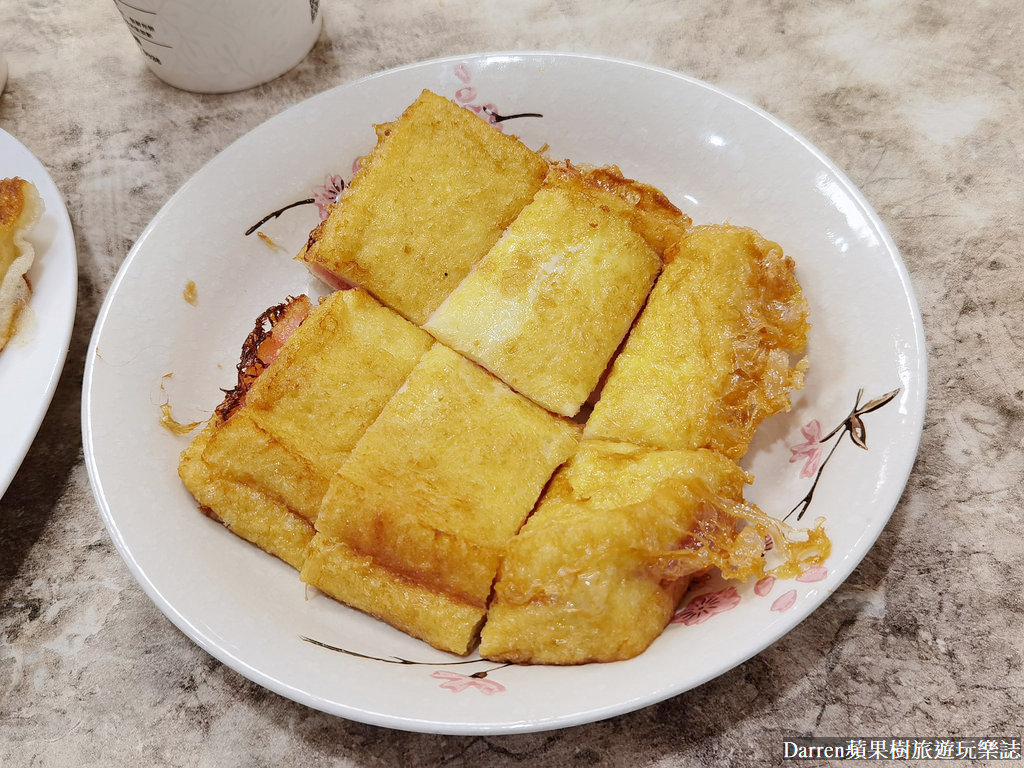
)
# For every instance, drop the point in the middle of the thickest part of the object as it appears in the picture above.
(549, 304)
(428, 202)
(709, 357)
(593, 574)
(262, 464)
(416, 519)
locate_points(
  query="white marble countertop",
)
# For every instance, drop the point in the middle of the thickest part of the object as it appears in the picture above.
(921, 106)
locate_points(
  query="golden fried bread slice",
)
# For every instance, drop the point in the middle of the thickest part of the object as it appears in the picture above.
(547, 307)
(20, 209)
(594, 574)
(709, 358)
(430, 496)
(269, 455)
(430, 200)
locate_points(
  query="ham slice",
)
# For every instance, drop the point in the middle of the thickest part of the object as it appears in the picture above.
(271, 331)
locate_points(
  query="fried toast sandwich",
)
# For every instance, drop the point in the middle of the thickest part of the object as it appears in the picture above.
(20, 209)
(311, 380)
(597, 571)
(710, 357)
(576, 251)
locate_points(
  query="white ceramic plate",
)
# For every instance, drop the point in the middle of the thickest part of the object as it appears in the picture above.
(716, 157)
(31, 363)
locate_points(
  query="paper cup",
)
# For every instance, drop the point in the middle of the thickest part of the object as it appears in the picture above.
(218, 46)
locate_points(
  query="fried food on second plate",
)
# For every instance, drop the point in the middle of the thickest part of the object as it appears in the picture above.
(710, 356)
(597, 571)
(549, 304)
(417, 517)
(428, 202)
(308, 389)
(20, 209)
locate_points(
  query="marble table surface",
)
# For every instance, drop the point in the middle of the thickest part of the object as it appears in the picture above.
(922, 107)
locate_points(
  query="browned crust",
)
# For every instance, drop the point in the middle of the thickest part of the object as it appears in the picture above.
(256, 352)
(208, 511)
(399, 569)
(311, 242)
(651, 214)
(643, 196)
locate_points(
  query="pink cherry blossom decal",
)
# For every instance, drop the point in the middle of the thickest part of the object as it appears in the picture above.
(785, 602)
(466, 95)
(491, 115)
(703, 607)
(457, 682)
(810, 450)
(814, 573)
(327, 194)
(764, 586)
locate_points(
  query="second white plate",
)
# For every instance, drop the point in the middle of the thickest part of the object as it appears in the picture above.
(32, 361)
